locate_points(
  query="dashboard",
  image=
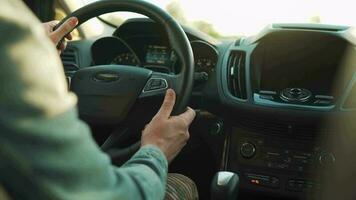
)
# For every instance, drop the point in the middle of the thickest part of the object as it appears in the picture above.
(271, 93)
(149, 49)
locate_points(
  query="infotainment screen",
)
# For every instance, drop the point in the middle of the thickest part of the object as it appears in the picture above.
(292, 63)
(157, 55)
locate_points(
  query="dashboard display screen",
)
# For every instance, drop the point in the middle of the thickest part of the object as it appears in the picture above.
(310, 65)
(158, 55)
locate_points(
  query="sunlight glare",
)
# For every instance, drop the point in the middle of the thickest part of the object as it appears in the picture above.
(246, 17)
(236, 17)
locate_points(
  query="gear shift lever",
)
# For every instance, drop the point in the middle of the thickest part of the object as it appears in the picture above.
(225, 186)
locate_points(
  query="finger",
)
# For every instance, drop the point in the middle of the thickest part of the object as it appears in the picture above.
(69, 36)
(64, 29)
(188, 116)
(63, 46)
(53, 23)
(168, 104)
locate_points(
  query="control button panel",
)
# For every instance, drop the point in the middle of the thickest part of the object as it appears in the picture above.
(263, 180)
(278, 165)
(301, 185)
(287, 159)
(155, 84)
(294, 96)
(257, 153)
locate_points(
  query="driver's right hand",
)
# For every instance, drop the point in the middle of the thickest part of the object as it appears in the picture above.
(168, 133)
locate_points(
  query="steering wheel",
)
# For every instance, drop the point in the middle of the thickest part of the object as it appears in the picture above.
(106, 93)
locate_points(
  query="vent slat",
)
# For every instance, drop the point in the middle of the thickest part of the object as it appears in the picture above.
(236, 74)
(69, 59)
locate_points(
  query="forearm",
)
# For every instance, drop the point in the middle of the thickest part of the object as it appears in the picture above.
(69, 165)
(149, 168)
(39, 123)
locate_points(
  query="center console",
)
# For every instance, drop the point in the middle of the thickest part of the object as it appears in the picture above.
(288, 69)
(283, 166)
(276, 89)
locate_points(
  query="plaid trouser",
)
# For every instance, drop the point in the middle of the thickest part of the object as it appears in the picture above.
(180, 187)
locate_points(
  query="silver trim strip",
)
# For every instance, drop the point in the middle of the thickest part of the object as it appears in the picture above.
(149, 80)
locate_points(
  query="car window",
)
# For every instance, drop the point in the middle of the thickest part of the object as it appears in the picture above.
(226, 18)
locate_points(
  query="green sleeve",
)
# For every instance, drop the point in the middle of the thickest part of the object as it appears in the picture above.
(66, 162)
(39, 122)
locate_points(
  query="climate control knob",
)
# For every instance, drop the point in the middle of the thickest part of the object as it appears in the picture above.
(248, 150)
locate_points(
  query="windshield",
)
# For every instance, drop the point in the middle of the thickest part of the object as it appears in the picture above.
(229, 18)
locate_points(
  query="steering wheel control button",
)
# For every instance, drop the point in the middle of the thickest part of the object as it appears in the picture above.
(295, 95)
(155, 84)
(262, 180)
(248, 150)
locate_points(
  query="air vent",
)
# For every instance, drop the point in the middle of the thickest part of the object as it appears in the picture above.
(70, 60)
(236, 74)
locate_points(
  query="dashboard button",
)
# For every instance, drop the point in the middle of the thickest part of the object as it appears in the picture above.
(302, 185)
(272, 156)
(247, 150)
(155, 84)
(322, 102)
(325, 97)
(266, 96)
(268, 92)
(295, 95)
(262, 180)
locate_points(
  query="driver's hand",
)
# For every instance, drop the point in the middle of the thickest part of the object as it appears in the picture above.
(63, 31)
(169, 133)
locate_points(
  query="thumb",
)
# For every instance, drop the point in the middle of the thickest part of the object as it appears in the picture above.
(188, 116)
(168, 104)
(64, 29)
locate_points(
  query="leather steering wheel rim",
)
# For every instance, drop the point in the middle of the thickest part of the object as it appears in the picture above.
(177, 38)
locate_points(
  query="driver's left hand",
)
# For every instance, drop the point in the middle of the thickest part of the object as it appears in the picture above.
(63, 31)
